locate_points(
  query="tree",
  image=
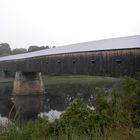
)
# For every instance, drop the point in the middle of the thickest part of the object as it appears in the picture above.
(37, 48)
(43, 47)
(19, 51)
(5, 49)
(33, 48)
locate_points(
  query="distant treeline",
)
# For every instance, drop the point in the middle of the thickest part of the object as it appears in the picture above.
(5, 49)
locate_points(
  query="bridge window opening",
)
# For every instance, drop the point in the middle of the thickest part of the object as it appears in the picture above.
(93, 61)
(73, 61)
(59, 62)
(118, 61)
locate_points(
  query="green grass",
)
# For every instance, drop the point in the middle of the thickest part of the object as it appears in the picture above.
(137, 133)
(78, 79)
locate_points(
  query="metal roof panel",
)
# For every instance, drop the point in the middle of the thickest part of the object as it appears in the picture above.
(106, 44)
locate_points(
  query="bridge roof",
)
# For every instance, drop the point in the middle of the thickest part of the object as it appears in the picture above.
(106, 44)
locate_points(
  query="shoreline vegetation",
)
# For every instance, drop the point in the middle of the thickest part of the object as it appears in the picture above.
(116, 115)
(78, 79)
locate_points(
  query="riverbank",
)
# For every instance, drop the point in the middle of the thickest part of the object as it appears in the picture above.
(74, 125)
(78, 79)
(69, 79)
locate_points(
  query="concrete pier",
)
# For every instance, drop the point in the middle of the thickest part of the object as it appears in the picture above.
(28, 91)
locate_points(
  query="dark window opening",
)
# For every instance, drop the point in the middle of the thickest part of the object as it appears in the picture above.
(37, 62)
(118, 61)
(47, 62)
(59, 62)
(73, 61)
(93, 61)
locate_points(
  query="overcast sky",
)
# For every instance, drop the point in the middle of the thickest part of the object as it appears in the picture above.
(58, 22)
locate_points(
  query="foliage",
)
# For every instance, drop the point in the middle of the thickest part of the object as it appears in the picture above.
(33, 48)
(31, 130)
(77, 116)
(19, 51)
(5, 49)
(107, 116)
(34, 130)
(36, 48)
(112, 106)
(131, 99)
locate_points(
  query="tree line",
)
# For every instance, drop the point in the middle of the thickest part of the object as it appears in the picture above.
(5, 49)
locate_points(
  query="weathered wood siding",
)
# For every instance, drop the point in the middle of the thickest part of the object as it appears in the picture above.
(107, 63)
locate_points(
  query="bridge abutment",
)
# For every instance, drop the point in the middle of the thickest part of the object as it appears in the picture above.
(28, 94)
(26, 83)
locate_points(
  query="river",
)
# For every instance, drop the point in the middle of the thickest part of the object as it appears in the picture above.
(56, 99)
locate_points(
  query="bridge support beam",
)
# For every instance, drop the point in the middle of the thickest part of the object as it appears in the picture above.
(28, 94)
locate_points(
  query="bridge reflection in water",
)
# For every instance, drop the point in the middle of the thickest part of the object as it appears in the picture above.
(28, 96)
(28, 92)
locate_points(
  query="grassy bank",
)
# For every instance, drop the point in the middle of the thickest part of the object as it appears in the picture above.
(78, 79)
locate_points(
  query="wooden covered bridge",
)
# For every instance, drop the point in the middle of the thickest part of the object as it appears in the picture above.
(109, 57)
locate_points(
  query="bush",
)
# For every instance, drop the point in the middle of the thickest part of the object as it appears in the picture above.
(131, 99)
(112, 118)
(77, 116)
(31, 130)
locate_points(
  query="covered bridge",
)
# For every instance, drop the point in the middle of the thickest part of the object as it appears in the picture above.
(109, 57)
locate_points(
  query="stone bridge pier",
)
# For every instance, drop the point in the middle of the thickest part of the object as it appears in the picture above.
(29, 92)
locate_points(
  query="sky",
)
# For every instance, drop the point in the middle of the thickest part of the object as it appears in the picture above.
(59, 22)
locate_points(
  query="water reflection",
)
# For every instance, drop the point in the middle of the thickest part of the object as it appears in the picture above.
(57, 97)
(28, 106)
(54, 100)
(5, 98)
